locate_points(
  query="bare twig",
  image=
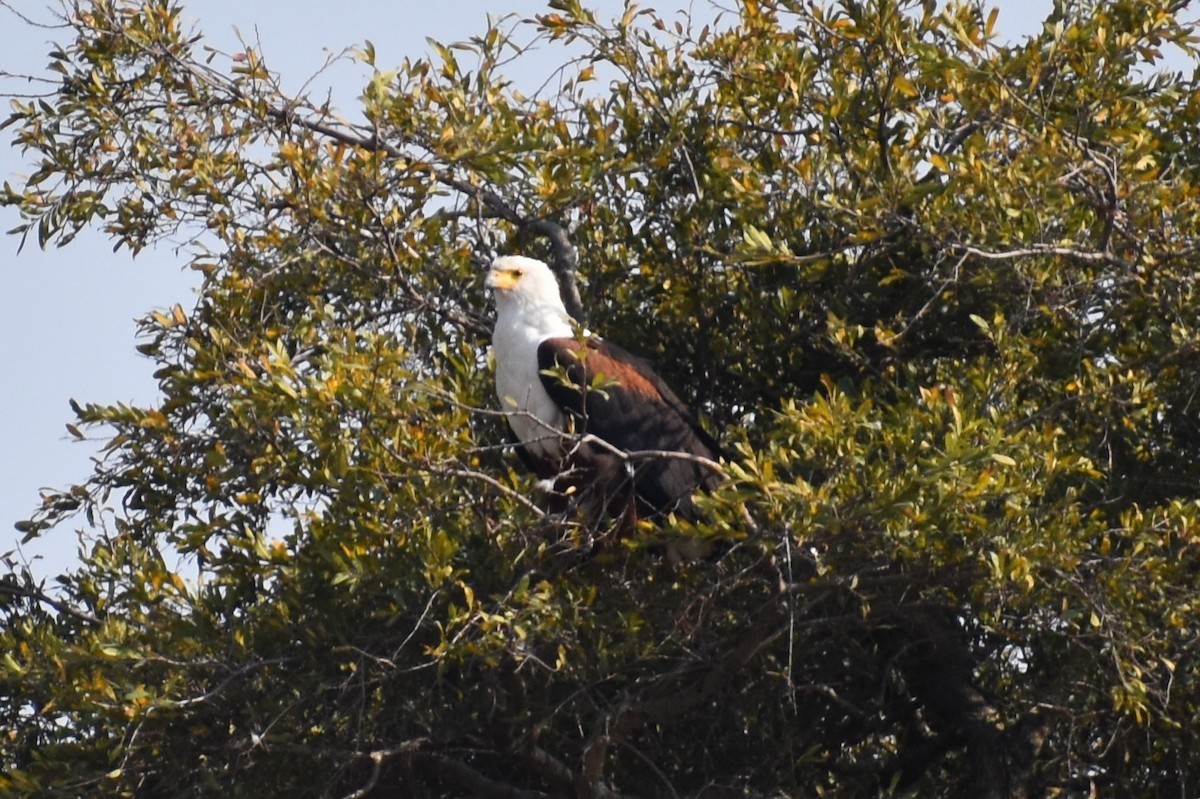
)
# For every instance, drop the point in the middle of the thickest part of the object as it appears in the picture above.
(1061, 251)
(7, 6)
(564, 262)
(618, 724)
(652, 454)
(9, 589)
(240, 672)
(454, 471)
(377, 759)
(564, 259)
(924, 309)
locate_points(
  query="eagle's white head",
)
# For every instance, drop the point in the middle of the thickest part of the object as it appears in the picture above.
(526, 286)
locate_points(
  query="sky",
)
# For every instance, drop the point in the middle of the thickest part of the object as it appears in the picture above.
(67, 316)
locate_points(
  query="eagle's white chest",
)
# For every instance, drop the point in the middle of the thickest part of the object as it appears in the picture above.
(534, 417)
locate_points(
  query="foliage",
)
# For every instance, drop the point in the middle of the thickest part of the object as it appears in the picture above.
(937, 292)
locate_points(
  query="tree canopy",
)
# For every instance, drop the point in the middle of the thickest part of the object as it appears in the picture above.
(936, 293)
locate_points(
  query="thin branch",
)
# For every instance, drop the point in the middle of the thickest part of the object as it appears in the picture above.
(564, 260)
(651, 454)
(7, 6)
(552, 434)
(452, 471)
(412, 633)
(416, 753)
(642, 756)
(372, 778)
(493, 482)
(377, 758)
(8, 589)
(617, 725)
(553, 771)
(244, 670)
(471, 780)
(947, 283)
(1085, 256)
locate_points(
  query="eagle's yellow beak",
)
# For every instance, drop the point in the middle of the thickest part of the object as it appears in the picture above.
(500, 279)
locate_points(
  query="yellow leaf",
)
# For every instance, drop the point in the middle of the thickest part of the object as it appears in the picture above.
(990, 25)
(906, 87)
(155, 420)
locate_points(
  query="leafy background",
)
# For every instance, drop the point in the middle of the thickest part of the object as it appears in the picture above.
(936, 290)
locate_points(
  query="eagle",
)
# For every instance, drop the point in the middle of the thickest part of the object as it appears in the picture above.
(590, 417)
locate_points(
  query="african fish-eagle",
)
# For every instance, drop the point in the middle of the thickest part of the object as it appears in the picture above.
(588, 414)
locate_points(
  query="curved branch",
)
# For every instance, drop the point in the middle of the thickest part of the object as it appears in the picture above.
(1061, 251)
(648, 454)
(564, 258)
(564, 262)
(469, 779)
(9, 588)
(615, 726)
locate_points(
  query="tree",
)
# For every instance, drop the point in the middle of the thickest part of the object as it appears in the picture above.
(937, 292)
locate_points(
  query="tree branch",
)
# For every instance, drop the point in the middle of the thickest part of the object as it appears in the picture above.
(1085, 256)
(564, 260)
(233, 675)
(619, 724)
(936, 663)
(8, 588)
(648, 454)
(471, 780)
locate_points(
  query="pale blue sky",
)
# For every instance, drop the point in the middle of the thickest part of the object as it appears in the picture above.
(67, 315)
